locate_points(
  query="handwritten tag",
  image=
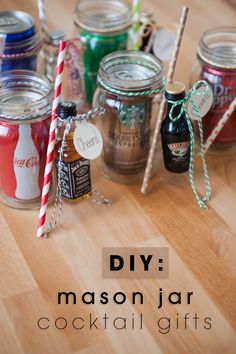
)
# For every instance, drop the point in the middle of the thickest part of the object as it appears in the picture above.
(163, 44)
(202, 102)
(88, 140)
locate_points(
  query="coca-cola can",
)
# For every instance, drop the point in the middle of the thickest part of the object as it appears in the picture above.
(25, 106)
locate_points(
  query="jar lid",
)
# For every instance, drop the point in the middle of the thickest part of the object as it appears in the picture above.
(125, 71)
(55, 36)
(175, 87)
(217, 47)
(24, 96)
(175, 91)
(103, 16)
(67, 109)
(15, 22)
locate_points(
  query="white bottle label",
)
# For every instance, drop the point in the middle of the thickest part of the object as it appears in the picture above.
(88, 140)
(26, 165)
(201, 101)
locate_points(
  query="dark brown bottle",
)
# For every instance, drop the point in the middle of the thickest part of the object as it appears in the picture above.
(75, 170)
(175, 135)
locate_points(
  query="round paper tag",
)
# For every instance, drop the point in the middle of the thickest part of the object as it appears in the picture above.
(163, 44)
(88, 140)
(203, 103)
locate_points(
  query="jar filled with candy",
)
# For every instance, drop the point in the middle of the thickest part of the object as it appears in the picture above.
(216, 64)
(25, 109)
(127, 84)
(102, 28)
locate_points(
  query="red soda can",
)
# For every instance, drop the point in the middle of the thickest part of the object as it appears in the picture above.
(223, 84)
(217, 65)
(25, 101)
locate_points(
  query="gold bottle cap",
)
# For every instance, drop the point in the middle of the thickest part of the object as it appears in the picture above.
(175, 88)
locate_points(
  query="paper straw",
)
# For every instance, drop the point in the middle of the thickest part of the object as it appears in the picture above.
(52, 139)
(170, 75)
(136, 26)
(220, 125)
(42, 17)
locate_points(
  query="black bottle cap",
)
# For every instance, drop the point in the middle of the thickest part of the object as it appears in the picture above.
(67, 109)
(175, 91)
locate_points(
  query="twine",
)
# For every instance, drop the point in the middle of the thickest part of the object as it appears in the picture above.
(97, 198)
(128, 93)
(182, 103)
(24, 54)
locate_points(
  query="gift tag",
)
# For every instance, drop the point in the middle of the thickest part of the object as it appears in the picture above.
(203, 103)
(88, 140)
(163, 44)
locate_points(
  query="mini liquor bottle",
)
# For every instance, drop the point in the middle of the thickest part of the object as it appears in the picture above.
(75, 170)
(175, 133)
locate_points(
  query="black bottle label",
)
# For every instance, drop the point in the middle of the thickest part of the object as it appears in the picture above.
(75, 178)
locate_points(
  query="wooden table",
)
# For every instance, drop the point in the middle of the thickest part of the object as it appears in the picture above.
(202, 244)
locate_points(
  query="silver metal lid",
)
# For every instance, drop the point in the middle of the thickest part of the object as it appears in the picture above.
(56, 36)
(15, 22)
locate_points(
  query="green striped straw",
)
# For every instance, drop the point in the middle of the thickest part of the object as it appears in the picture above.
(136, 25)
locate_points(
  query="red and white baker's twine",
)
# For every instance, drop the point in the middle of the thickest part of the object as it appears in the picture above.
(51, 140)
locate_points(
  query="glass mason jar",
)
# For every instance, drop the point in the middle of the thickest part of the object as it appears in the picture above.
(127, 84)
(102, 28)
(217, 65)
(25, 109)
(20, 42)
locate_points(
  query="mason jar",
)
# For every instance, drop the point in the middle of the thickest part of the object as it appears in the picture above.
(102, 28)
(216, 64)
(25, 109)
(128, 81)
(20, 42)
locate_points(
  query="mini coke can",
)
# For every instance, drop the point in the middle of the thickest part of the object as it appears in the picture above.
(25, 107)
(217, 65)
(223, 84)
(19, 41)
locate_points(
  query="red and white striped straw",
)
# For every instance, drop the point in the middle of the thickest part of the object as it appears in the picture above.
(51, 140)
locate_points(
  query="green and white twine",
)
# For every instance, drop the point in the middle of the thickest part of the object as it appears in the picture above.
(182, 103)
(130, 93)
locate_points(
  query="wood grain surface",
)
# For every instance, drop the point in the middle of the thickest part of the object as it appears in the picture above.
(202, 244)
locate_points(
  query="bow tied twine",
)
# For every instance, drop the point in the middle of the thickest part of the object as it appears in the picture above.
(183, 103)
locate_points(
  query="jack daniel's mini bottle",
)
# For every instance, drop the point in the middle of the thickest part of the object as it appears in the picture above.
(175, 134)
(75, 170)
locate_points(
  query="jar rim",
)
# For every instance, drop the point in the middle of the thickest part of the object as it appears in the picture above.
(24, 48)
(218, 47)
(23, 109)
(103, 16)
(128, 70)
